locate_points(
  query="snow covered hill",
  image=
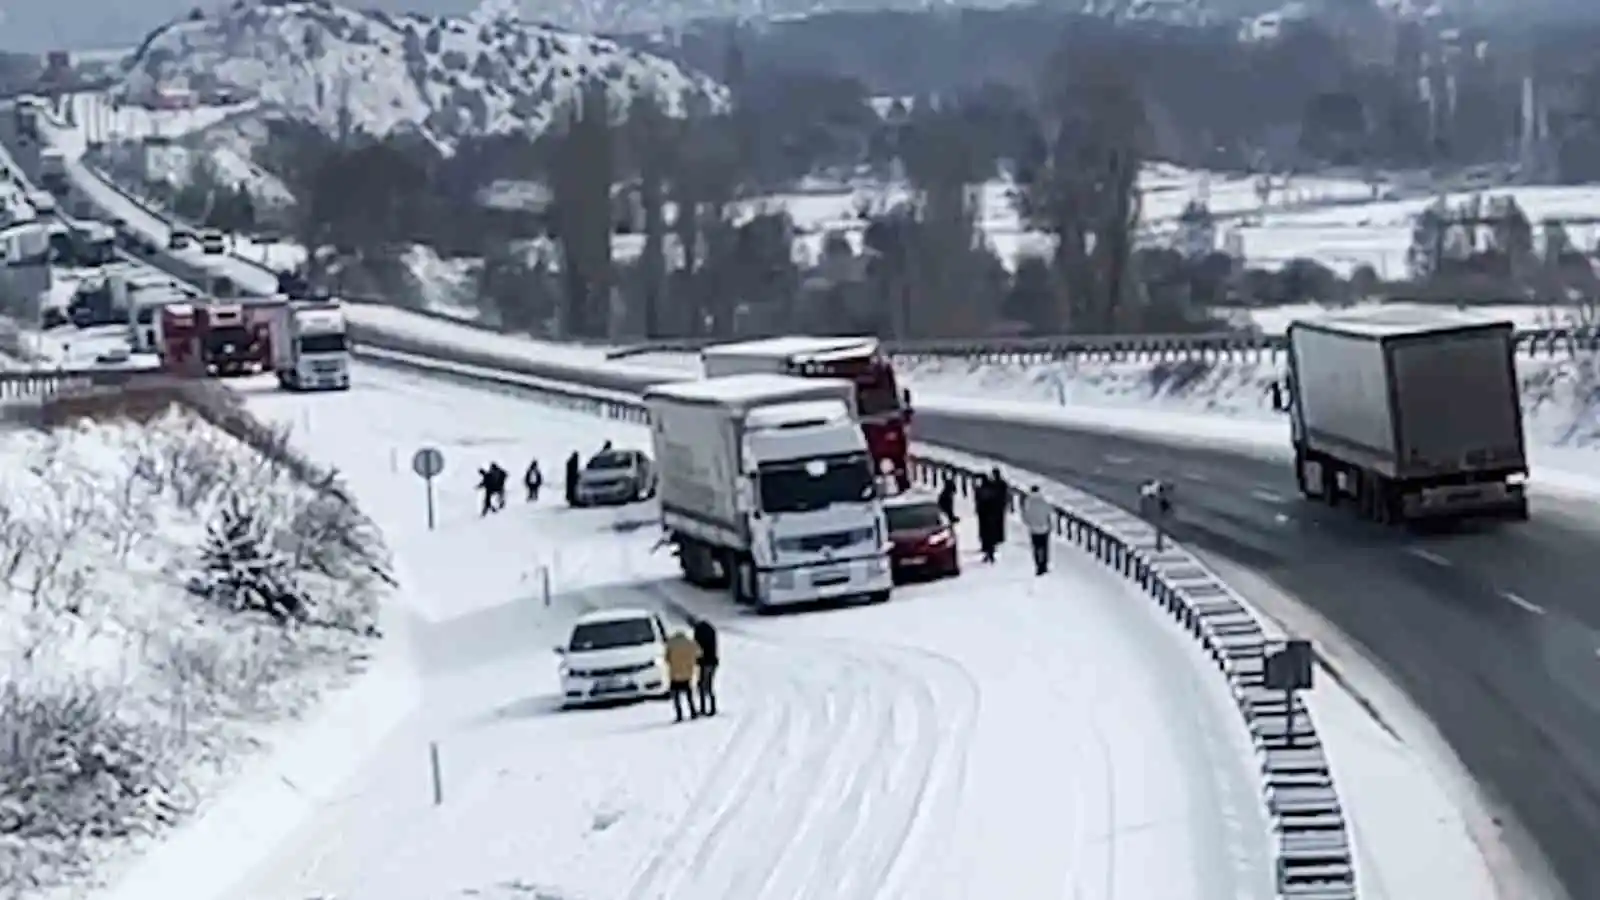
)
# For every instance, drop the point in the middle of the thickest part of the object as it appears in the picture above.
(342, 69)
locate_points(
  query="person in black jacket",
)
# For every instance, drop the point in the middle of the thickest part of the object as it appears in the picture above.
(533, 481)
(572, 479)
(706, 636)
(989, 503)
(947, 499)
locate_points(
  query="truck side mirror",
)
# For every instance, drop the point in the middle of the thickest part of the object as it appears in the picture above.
(905, 400)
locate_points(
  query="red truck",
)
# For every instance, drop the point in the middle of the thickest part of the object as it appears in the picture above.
(177, 338)
(233, 341)
(883, 409)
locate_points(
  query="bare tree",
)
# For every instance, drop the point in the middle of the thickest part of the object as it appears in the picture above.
(582, 173)
(1080, 184)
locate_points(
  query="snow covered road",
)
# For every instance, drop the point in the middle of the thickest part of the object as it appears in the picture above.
(997, 735)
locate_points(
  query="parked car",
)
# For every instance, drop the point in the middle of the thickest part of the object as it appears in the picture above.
(615, 478)
(922, 539)
(179, 239)
(213, 242)
(614, 654)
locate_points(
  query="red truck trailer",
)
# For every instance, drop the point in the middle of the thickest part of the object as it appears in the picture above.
(177, 338)
(883, 409)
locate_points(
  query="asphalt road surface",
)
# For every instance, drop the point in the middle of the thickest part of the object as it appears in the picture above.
(1493, 630)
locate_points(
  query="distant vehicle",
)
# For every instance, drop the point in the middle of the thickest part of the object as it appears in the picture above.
(881, 407)
(616, 477)
(178, 331)
(213, 242)
(43, 202)
(310, 347)
(614, 654)
(92, 244)
(180, 239)
(923, 541)
(231, 343)
(1408, 413)
(113, 356)
(53, 171)
(767, 489)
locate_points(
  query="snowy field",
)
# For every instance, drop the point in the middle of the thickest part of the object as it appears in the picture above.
(873, 752)
(140, 678)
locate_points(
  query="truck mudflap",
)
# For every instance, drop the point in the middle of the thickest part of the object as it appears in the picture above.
(863, 577)
(1486, 499)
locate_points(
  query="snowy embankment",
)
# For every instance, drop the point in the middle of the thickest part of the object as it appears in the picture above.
(172, 599)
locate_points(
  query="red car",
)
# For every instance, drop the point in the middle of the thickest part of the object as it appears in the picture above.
(924, 540)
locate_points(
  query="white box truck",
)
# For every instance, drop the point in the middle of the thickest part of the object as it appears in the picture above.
(767, 489)
(310, 345)
(1408, 413)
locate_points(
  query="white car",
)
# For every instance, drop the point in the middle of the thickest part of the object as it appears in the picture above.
(614, 654)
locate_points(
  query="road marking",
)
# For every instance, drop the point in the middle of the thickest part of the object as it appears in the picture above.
(1195, 476)
(1430, 556)
(1528, 605)
(1266, 495)
(1116, 460)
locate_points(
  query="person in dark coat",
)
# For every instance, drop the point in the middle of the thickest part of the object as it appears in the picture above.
(486, 487)
(990, 502)
(533, 481)
(572, 479)
(705, 635)
(947, 499)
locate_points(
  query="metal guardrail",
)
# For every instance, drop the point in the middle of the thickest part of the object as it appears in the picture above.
(1313, 851)
(1219, 347)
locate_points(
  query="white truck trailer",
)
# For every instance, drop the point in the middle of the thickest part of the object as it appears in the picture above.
(767, 489)
(1409, 413)
(310, 346)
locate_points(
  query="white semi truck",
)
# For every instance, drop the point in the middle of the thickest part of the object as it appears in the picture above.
(1408, 413)
(310, 345)
(767, 489)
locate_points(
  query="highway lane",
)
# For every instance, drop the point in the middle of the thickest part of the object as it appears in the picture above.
(1491, 630)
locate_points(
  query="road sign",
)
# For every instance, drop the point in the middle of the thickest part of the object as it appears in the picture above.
(427, 462)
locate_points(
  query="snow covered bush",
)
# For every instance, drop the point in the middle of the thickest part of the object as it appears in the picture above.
(166, 594)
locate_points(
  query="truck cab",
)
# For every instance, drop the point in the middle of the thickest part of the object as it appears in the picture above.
(230, 344)
(767, 488)
(53, 171)
(178, 330)
(311, 347)
(882, 408)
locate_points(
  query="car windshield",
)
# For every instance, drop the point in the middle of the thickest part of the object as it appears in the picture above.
(806, 485)
(608, 635)
(914, 517)
(611, 461)
(324, 343)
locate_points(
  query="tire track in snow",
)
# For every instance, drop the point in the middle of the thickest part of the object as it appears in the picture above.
(866, 773)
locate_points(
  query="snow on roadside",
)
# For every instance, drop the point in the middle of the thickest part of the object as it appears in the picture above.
(130, 700)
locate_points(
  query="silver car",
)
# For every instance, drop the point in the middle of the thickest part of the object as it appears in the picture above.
(616, 477)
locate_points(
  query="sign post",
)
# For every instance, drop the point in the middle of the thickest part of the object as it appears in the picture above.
(428, 462)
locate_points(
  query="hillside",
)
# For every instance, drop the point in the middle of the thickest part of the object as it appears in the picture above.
(346, 70)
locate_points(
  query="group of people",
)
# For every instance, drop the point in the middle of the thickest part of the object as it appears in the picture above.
(991, 501)
(492, 484)
(693, 660)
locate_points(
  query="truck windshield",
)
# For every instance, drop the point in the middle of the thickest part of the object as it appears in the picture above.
(227, 339)
(606, 635)
(810, 484)
(324, 343)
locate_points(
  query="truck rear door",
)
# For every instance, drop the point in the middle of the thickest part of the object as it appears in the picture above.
(1457, 403)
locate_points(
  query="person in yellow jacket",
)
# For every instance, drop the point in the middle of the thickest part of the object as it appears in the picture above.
(683, 655)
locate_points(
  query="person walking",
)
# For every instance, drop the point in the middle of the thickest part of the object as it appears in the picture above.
(533, 481)
(683, 654)
(496, 478)
(571, 485)
(705, 637)
(947, 499)
(485, 485)
(988, 502)
(1038, 516)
